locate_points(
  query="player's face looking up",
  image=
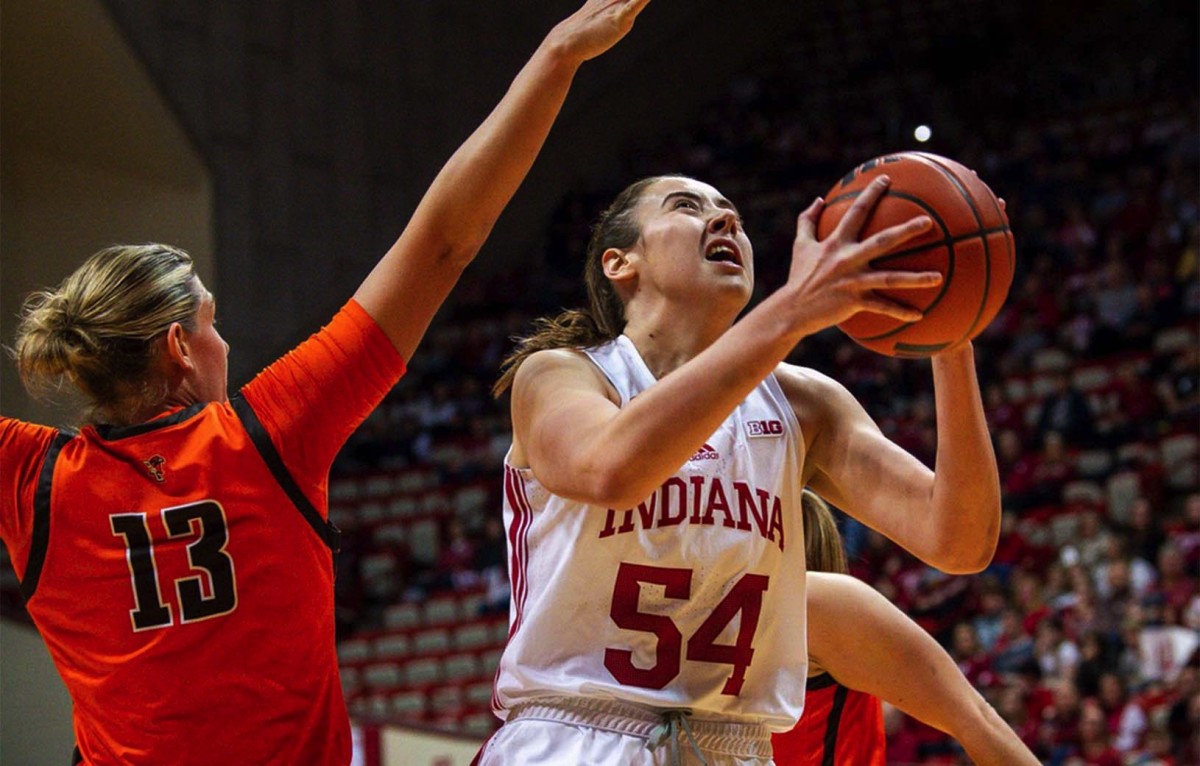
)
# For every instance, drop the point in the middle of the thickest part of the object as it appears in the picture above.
(692, 244)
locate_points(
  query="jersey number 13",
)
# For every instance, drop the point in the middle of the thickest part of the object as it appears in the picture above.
(209, 593)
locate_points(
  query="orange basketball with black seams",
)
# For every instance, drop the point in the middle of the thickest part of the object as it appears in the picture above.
(970, 243)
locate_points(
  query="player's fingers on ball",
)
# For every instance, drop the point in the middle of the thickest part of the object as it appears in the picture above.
(806, 223)
(886, 240)
(878, 304)
(852, 222)
(900, 280)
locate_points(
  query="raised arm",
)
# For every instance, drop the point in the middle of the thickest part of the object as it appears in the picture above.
(948, 517)
(404, 291)
(867, 644)
(567, 425)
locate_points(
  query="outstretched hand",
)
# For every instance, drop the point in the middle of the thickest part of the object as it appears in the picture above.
(834, 275)
(596, 27)
(449, 226)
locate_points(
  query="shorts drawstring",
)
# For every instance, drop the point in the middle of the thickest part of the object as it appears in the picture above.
(651, 727)
(669, 730)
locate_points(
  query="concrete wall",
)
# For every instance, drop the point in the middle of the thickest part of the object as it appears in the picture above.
(35, 711)
(91, 156)
(324, 121)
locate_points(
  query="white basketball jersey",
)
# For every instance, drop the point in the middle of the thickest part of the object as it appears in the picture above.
(694, 599)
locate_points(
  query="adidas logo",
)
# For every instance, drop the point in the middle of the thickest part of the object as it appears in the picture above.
(705, 453)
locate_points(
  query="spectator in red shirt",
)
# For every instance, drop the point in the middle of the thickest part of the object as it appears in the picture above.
(455, 568)
(1029, 597)
(1095, 748)
(1126, 719)
(1014, 707)
(1176, 587)
(1013, 550)
(1138, 408)
(1016, 470)
(1185, 534)
(969, 655)
(1060, 720)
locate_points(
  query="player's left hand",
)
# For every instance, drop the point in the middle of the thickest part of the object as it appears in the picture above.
(596, 27)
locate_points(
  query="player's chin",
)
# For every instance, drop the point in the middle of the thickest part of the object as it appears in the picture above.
(735, 292)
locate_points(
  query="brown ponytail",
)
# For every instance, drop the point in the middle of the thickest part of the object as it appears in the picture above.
(604, 317)
(823, 550)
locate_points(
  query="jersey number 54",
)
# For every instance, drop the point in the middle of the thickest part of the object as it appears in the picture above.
(745, 596)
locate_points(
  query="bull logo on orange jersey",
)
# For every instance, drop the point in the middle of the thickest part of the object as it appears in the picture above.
(155, 467)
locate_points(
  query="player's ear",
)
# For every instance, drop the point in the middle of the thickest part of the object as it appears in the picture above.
(617, 265)
(178, 354)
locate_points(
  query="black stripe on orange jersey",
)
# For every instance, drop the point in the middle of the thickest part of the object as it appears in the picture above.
(833, 724)
(113, 433)
(40, 539)
(325, 529)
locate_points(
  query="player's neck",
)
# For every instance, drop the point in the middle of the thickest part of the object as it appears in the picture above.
(667, 344)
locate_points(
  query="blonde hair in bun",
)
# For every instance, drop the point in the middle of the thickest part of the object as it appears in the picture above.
(99, 328)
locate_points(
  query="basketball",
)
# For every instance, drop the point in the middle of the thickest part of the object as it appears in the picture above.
(970, 243)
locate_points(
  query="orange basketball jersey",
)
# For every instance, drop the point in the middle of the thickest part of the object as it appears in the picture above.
(180, 570)
(839, 727)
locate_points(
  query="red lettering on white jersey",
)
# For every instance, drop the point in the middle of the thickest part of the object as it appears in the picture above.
(760, 428)
(755, 510)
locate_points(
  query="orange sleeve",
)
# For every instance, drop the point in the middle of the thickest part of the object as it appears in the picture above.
(23, 448)
(312, 399)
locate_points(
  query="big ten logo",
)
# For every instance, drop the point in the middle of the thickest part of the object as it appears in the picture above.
(764, 428)
(868, 165)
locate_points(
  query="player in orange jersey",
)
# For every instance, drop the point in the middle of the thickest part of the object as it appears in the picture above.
(839, 726)
(862, 649)
(176, 553)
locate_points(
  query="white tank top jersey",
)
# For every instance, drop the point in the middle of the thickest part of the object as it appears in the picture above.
(693, 599)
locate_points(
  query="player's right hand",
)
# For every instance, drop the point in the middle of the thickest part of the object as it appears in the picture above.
(831, 280)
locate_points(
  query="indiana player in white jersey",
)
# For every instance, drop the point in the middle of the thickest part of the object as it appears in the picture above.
(702, 538)
(654, 483)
